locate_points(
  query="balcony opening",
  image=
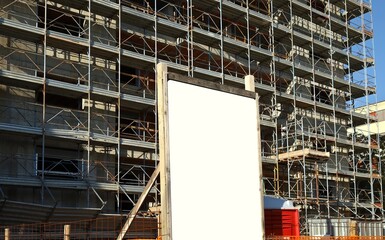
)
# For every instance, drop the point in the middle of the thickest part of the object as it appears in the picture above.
(129, 76)
(59, 168)
(58, 101)
(321, 95)
(60, 21)
(129, 124)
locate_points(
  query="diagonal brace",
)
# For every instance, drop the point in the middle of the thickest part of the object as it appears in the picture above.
(134, 211)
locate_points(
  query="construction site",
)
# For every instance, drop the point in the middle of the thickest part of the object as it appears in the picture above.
(79, 115)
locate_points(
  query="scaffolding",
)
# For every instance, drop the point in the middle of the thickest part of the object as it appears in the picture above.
(78, 116)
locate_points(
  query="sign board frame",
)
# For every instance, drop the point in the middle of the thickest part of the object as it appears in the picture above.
(163, 78)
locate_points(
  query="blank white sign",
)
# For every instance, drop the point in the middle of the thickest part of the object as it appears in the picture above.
(214, 165)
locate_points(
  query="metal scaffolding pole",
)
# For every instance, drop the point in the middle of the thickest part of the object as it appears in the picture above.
(332, 76)
(44, 100)
(89, 98)
(221, 47)
(352, 125)
(368, 112)
(377, 134)
(119, 62)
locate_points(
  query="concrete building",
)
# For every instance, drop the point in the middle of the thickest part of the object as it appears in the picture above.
(377, 110)
(78, 125)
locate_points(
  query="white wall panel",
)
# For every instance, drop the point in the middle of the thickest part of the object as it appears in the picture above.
(214, 164)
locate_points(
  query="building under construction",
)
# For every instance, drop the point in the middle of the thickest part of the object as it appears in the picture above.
(78, 112)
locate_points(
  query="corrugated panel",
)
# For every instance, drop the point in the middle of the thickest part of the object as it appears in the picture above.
(329, 227)
(370, 228)
(281, 222)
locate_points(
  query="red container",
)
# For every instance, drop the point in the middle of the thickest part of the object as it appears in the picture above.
(281, 222)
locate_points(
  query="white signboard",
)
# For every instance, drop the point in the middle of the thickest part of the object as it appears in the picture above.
(214, 164)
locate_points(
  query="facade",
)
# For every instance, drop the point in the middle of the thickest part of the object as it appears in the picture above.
(78, 117)
(378, 127)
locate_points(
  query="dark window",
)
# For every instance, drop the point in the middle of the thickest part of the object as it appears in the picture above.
(317, 4)
(321, 95)
(126, 205)
(129, 124)
(58, 101)
(59, 168)
(138, 3)
(59, 21)
(128, 77)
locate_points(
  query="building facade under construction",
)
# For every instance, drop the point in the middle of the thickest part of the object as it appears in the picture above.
(78, 111)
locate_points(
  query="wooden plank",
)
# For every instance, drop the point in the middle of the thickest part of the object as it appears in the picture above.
(308, 153)
(134, 211)
(250, 86)
(164, 151)
(212, 85)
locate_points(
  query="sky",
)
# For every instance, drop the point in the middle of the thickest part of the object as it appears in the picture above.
(378, 7)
